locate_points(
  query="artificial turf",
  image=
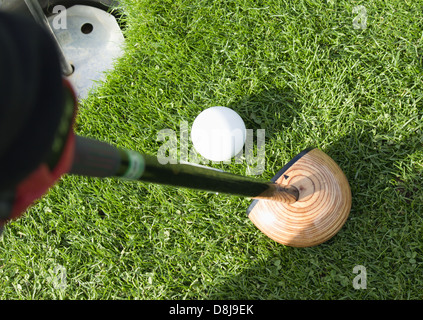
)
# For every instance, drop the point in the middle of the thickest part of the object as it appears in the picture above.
(301, 70)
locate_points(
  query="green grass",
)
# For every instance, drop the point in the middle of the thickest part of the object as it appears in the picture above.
(297, 69)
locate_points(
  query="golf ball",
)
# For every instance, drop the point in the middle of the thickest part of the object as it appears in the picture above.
(218, 133)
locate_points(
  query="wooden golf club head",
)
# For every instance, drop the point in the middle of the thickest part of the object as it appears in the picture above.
(322, 207)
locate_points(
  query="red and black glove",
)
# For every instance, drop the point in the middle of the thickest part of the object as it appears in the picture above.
(37, 110)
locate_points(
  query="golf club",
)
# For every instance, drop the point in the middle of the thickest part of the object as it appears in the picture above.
(305, 204)
(38, 14)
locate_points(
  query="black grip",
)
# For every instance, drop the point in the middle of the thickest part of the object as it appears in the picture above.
(95, 158)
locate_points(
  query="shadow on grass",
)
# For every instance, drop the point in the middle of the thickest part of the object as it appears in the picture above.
(254, 109)
(382, 231)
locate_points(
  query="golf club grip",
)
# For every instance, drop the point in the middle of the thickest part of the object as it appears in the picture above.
(95, 158)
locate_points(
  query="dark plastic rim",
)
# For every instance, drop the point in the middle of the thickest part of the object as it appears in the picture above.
(281, 172)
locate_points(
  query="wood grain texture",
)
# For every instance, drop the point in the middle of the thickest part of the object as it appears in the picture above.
(323, 204)
(278, 192)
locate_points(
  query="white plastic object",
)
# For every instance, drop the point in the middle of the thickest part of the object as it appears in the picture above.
(91, 40)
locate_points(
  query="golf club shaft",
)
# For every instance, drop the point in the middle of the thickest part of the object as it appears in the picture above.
(99, 159)
(38, 14)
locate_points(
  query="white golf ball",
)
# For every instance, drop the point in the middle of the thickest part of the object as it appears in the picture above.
(218, 133)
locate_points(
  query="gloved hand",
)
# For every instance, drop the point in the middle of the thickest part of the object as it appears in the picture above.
(37, 109)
